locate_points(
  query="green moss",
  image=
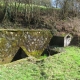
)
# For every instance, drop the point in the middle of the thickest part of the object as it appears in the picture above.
(14, 44)
(35, 53)
(2, 43)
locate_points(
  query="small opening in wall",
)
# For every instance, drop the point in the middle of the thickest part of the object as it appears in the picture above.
(19, 55)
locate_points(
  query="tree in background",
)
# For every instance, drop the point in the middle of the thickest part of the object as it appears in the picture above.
(30, 12)
(69, 8)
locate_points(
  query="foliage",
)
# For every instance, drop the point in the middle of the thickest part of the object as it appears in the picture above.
(23, 14)
(35, 14)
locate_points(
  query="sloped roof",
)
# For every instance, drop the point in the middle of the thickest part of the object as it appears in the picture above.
(61, 34)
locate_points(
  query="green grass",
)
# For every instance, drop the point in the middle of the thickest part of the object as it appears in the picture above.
(62, 66)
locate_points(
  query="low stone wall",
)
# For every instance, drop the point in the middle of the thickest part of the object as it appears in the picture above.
(34, 42)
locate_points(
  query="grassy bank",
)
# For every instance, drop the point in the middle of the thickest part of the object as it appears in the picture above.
(62, 66)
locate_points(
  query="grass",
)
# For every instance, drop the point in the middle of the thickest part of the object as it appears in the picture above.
(62, 66)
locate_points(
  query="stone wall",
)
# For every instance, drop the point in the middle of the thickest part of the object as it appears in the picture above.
(33, 42)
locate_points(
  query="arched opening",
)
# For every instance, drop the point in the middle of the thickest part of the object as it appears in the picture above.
(19, 55)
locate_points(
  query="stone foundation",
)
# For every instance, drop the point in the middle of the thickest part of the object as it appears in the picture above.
(33, 42)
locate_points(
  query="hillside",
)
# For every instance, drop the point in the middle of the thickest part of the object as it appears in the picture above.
(61, 66)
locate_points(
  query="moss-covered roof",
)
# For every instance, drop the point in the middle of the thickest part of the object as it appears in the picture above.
(61, 34)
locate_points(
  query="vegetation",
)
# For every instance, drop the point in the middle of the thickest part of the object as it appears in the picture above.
(22, 14)
(39, 14)
(62, 66)
(36, 14)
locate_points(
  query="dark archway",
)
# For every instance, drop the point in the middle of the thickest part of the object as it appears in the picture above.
(57, 41)
(19, 55)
